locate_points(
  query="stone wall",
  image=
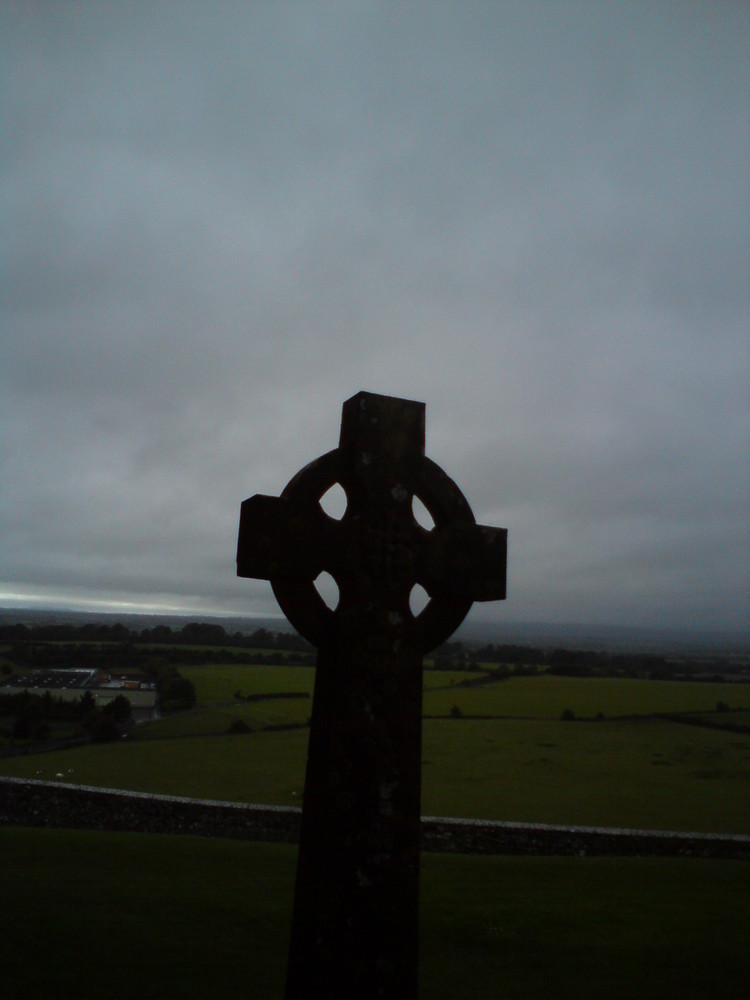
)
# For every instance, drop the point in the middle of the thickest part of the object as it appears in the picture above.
(56, 804)
(487, 837)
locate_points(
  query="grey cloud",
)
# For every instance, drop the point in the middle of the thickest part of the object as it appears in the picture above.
(225, 222)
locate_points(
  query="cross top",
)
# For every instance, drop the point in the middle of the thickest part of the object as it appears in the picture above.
(377, 552)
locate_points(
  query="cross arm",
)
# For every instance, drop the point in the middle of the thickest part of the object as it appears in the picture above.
(279, 538)
(467, 561)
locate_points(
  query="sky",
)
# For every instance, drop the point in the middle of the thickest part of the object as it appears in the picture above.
(222, 220)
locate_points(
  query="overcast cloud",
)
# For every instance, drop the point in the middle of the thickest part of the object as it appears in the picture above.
(222, 220)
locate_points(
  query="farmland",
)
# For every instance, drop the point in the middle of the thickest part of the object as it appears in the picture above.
(602, 751)
(547, 697)
(499, 751)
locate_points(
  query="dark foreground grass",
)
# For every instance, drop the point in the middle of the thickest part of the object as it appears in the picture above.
(93, 915)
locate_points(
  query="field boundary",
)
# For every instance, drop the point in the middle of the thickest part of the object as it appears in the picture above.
(30, 802)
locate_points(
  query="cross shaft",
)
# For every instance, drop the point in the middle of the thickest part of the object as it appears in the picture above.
(354, 929)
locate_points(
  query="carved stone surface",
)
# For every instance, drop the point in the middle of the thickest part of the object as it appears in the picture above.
(355, 922)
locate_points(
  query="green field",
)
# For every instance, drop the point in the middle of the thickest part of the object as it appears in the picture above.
(217, 686)
(523, 765)
(122, 915)
(547, 697)
(654, 775)
(650, 775)
(542, 697)
(220, 683)
(91, 915)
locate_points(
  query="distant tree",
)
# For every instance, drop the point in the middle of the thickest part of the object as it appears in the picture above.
(86, 705)
(202, 634)
(176, 693)
(261, 639)
(11, 633)
(119, 709)
(161, 633)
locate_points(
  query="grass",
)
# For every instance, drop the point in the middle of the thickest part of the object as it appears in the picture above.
(115, 916)
(218, 718)
(216, 686)
(264, 767)
(122, 915)
(547, 697)
(118, 915)
(200, 722)
(220, 682)
(448, 678)
(655, 775)
(543, 697)
(529, 766)
(577, 928)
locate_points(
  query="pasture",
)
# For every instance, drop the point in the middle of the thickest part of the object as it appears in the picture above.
(548, 696)
(653, 775)
(217, 688)
(520, 762)
(491, 927)
(543, 697)
(196, 918)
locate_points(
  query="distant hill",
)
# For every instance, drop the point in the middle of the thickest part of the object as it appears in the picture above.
(543, 635)
(139, 622)
(609, 638)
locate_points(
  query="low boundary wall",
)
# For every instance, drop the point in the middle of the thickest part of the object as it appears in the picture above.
(26, 802)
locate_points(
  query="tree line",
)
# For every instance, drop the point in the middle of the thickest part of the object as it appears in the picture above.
(32, 716)
(112, 648)
(527, 660)
(193, 634)
(114, 657)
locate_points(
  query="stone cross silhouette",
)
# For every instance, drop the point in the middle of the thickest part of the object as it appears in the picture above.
(355, 919)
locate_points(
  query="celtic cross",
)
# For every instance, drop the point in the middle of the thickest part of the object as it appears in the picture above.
(355, 920)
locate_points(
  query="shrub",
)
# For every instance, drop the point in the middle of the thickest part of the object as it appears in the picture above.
(86, 705)
(104, 729)
(176, 693)
(22, 728)
(120, 709)
(41, 731)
